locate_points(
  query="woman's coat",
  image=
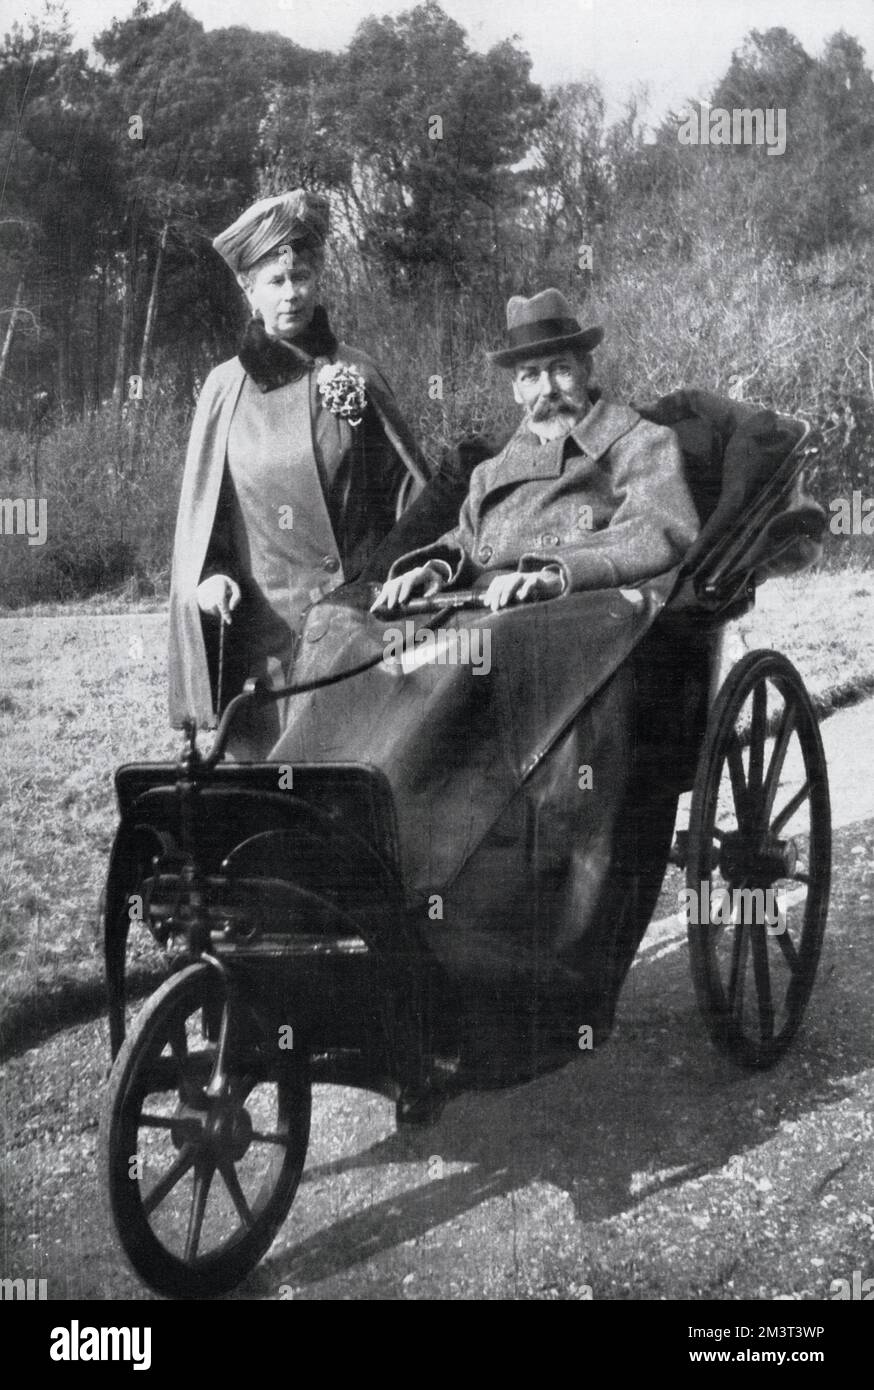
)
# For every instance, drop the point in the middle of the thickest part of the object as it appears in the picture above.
(191, 694)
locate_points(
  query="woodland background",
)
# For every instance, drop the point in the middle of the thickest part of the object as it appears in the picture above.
(724, 268)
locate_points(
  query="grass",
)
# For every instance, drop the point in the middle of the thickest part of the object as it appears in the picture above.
(823, 624)
(76, 700)
(82, 691)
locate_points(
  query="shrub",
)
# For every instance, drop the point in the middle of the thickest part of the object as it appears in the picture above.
(110, 482)
(710, 309)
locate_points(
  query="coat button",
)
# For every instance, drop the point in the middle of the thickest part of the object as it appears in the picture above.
(549, 539)
(331, 564)
(485, 553)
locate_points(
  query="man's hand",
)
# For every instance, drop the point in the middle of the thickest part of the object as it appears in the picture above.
(218, 595)
(422, 580)
(518, 588)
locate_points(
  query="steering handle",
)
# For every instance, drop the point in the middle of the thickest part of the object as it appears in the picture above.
(440, 602)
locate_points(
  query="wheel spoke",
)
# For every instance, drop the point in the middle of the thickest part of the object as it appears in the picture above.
(178, 1041)
(238, 1197)
(173, 1175)
(787, 946)
(784, 733)
(161, 1074)
(194, 1067)
(758, 730)
(739, 953)
(156, 1121)
(762, 972)
(202, 1179)
(790, 808)
(734, 759)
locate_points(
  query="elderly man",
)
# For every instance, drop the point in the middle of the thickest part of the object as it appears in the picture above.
(586, 494)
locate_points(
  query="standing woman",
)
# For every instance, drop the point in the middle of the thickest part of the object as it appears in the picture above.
(294, 468)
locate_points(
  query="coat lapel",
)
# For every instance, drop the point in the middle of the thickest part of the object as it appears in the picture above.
(524, 459)
(521, 460)
(605, 423)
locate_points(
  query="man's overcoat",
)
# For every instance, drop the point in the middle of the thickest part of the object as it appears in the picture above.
(607, 505)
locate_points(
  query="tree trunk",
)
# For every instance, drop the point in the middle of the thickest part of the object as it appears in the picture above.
(99, 311)
(121, 356)
(145, 346)
(153, 304)
(10, 329)
(496, 258)
(64, 362)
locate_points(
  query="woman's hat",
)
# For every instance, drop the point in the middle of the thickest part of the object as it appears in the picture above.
(298, 219)
(543, 323)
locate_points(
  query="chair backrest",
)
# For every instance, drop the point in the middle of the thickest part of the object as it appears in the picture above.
(771, 534)
(744, 467)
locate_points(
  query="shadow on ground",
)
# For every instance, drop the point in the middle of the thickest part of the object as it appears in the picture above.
(651, 1109)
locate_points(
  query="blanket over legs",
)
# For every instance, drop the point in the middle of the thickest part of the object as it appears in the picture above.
(518, 826)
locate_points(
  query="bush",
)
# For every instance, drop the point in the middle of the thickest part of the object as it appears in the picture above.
(723, 315)
(110, 482)
(708, 308)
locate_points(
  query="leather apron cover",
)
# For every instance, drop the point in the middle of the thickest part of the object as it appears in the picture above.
(496, 811)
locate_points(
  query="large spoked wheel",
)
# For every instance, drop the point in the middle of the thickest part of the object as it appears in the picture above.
(201, 1158)
(759, 860)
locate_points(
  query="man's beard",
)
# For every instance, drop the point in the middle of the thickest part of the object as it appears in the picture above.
(554, 419)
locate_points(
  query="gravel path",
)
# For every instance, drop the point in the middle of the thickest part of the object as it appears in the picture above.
(650, 1169)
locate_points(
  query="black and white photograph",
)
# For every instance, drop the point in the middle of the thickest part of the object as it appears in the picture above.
(437, 661)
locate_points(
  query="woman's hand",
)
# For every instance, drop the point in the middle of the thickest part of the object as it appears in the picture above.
(518, 588)
(218, 595)
(395, 592)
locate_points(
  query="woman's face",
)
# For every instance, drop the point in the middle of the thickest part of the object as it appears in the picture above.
(284, 291)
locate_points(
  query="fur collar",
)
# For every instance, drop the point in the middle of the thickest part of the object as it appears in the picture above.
(271, 363)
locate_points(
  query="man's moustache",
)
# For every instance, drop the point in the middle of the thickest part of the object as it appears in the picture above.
(547, 409)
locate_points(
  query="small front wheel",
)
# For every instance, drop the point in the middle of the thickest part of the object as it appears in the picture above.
(201, 1160)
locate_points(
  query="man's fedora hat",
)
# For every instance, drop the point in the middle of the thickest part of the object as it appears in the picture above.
(543, 323)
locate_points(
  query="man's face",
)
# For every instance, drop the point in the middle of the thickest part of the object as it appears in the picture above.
(553, 390)
(284, 290)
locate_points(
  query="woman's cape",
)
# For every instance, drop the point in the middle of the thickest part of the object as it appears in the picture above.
(190, 690)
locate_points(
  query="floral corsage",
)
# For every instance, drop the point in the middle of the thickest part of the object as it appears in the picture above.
(341, 387)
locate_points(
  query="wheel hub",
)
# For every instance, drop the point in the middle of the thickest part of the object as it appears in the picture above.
(756, 865)
(223, 1129)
